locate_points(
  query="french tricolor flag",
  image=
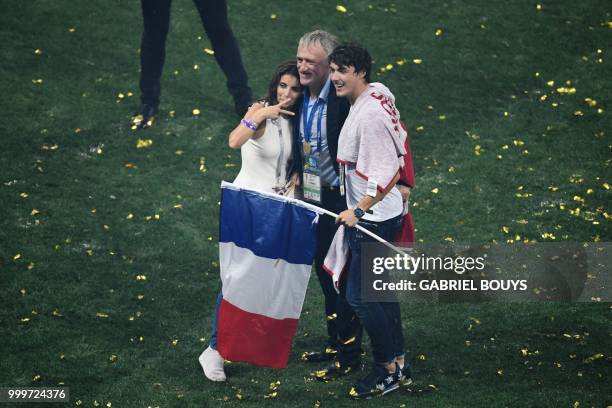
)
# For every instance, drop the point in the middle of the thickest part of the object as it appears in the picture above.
(266, 247)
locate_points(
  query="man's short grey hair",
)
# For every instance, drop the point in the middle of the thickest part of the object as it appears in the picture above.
(321, 38)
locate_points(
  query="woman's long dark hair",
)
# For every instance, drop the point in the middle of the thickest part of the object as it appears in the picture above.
(288, 67)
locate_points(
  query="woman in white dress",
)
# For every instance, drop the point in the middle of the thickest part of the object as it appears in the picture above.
(264, 137)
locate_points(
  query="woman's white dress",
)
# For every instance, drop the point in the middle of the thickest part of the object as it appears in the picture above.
(264, 160)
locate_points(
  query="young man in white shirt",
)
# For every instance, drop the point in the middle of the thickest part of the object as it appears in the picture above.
(370, 152)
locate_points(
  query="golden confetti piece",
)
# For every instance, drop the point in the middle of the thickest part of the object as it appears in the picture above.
(195, 112)
(543, 98)
(208, 51)
(34, 212)
(156, 216)
(468, 343)
(439, 32)
(578, 113)
(148, 218)
(109, 405)
(203, 165)
(600, 111)
(499, 157)
(140, 297)
(72, 29)
(102, 315)
(518, 142)
(435, 190)
(442, 117)
(57, 313)
(389, 67)
(23, 291)
(505, 229)
(143, 143)
(16, 257)
(477, 150)
(174, 342)
(273, 16)
(400, 62)
(341, 9)
(591, 102)
(568, 91)
(417, 61)
(36, 378)
(37, 81)
(113, 358)
(141, 277)
(90, 252)
(538, 7)
(129, 216)
(451, 169)
(420, 129)
(500, 372)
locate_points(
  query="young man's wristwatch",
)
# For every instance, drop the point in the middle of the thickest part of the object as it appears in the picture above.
(359, 213)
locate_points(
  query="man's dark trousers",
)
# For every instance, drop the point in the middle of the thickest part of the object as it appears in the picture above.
(343, 326)
(213, 13)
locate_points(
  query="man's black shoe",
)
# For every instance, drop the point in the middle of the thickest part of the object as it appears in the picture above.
(336, 370)
(144, 117)
(378, 383)
(327, 354)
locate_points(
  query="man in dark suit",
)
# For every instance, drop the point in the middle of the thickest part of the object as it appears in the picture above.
(316, 139)
(213, 13)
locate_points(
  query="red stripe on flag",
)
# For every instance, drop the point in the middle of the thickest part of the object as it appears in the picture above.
(253, 338)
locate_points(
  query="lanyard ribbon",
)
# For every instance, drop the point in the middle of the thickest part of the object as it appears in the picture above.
(308, 117)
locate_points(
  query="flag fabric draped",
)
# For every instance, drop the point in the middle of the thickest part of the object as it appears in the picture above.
(266, 248)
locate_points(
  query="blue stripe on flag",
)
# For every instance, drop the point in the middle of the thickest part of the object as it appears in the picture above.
(270, 228)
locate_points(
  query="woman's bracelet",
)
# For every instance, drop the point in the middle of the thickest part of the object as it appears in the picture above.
(250, 124)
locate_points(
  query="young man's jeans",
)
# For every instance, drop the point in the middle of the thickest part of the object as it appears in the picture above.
(381, 320)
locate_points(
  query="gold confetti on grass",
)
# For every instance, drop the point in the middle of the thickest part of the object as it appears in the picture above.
(208, 51)
(102, 315)
(202, 165)
(195, 112)
(341, 8)
(417, 61)
(143, 143)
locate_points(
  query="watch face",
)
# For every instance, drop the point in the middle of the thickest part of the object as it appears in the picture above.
(358, 212)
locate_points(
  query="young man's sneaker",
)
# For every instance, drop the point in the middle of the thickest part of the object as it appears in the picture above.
(405, 375)
(379, 382)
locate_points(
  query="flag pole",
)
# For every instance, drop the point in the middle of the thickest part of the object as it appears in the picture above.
(320, 210)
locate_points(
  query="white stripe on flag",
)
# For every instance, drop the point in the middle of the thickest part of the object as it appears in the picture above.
(270, 287)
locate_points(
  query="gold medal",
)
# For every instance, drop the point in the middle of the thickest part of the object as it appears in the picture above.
(307, 148)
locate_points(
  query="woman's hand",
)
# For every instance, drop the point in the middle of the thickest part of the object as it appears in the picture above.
(271, 112)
